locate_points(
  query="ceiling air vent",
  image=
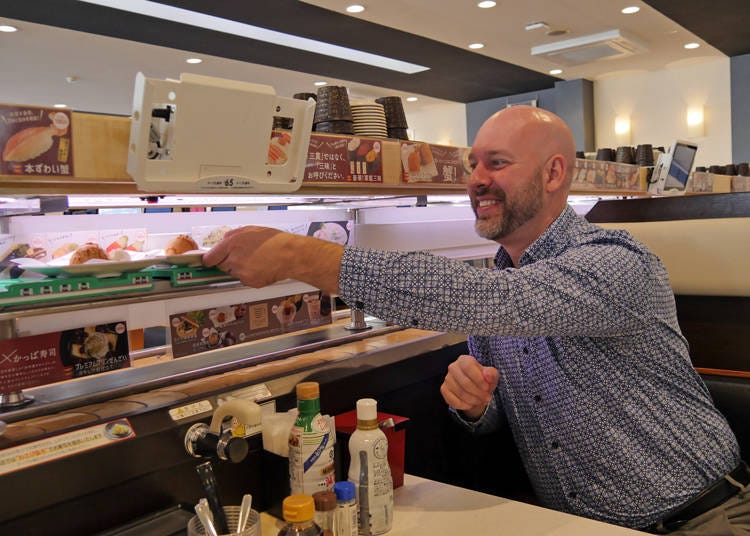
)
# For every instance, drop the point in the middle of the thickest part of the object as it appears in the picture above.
(605, 45)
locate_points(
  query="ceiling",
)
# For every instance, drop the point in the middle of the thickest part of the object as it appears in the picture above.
(86, 56)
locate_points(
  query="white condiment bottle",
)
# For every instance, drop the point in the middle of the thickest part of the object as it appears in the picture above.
(370, 472)
(311, 452)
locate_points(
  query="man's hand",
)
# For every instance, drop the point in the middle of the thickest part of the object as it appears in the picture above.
(468, 386)
(260, 256)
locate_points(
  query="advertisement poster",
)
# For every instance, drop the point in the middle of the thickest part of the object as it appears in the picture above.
(425, 162)
(339, 232)
(594, 174)
(194, 332)
(95, 349)
(344, 159)
(51, 357)
(35, 141)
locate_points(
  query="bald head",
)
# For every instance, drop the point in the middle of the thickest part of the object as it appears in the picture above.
(533, 130)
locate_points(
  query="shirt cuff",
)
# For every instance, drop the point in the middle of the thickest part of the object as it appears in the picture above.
(470, 423)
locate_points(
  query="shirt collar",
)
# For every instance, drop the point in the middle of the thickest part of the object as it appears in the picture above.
(547, 245)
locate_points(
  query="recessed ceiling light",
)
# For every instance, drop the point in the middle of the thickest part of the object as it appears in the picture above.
(556, 71)
(355, 8)
(232, 27)
(60, 105)
(536, 25)
(630, 10)
(691, 46)
(486, 4)
(8, 29)
(412, 99)
(194, 60)
(321, 83)
(476, 45)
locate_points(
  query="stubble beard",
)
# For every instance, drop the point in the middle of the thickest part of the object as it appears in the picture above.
(515, 212)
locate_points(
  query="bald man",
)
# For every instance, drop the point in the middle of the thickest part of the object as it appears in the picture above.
(573, 338)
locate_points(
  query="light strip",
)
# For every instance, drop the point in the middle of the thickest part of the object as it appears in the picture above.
(210, 22)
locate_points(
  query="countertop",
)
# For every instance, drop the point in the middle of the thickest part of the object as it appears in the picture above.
(426, 507)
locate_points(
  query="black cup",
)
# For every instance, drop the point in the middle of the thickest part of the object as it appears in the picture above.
(605, 154)
(730, 169)
(644, 155)
(624, 155)
(334, 127)
(743, 168)
(716, 170)
(395, 117)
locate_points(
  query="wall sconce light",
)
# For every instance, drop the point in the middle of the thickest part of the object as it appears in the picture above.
(695, 123)
(622, 130)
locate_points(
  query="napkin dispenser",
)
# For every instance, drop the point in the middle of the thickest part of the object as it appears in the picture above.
(201, 134)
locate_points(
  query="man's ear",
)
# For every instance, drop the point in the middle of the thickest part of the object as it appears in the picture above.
(555, 171)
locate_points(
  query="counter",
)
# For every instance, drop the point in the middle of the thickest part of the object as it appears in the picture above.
(426, 507)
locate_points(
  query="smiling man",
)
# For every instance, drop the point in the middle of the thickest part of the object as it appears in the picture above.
(573, 339)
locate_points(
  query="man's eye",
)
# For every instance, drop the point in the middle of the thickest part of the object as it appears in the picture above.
(497, 163)
(472, 165)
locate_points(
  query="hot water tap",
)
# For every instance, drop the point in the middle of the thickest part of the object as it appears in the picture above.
(216, 440)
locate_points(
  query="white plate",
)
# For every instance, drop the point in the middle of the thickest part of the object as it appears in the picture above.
(99, 268)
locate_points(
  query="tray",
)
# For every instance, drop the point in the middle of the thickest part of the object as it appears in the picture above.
(186, 259)
(97, 269)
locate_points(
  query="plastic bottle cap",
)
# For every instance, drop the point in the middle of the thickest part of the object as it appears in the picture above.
(308, 390)
(298, 508)
(324, 500)
(367, 409)
(345, 490)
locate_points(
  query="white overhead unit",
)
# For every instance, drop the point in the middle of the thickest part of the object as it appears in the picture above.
(611, 44)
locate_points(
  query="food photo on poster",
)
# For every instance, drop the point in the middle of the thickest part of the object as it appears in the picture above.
(35, 141)
(426, 162)
(94, 349)
(339, 232)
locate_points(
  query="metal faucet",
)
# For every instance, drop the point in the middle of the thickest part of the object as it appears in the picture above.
(214, 440)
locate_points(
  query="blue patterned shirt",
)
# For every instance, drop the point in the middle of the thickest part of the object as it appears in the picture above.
(596, 384)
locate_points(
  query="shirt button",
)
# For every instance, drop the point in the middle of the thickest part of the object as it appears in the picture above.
(555, 445)
(525, 349)
(537, 398)
(572, 495)
(414, 322)
(359, 304)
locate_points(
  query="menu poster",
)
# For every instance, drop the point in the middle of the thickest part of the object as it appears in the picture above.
(95, 349)
(425, 162)
(602, 174)
(332, 231)
(207, 236)
(60, 243)
(288, 313)
(51, 357)
(193, 332)
(344, 159)
(127, 239)
(35, 141)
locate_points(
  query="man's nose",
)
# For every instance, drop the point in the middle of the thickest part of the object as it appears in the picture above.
(479, 176)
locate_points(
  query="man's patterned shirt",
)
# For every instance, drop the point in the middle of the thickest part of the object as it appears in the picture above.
(596, 384)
